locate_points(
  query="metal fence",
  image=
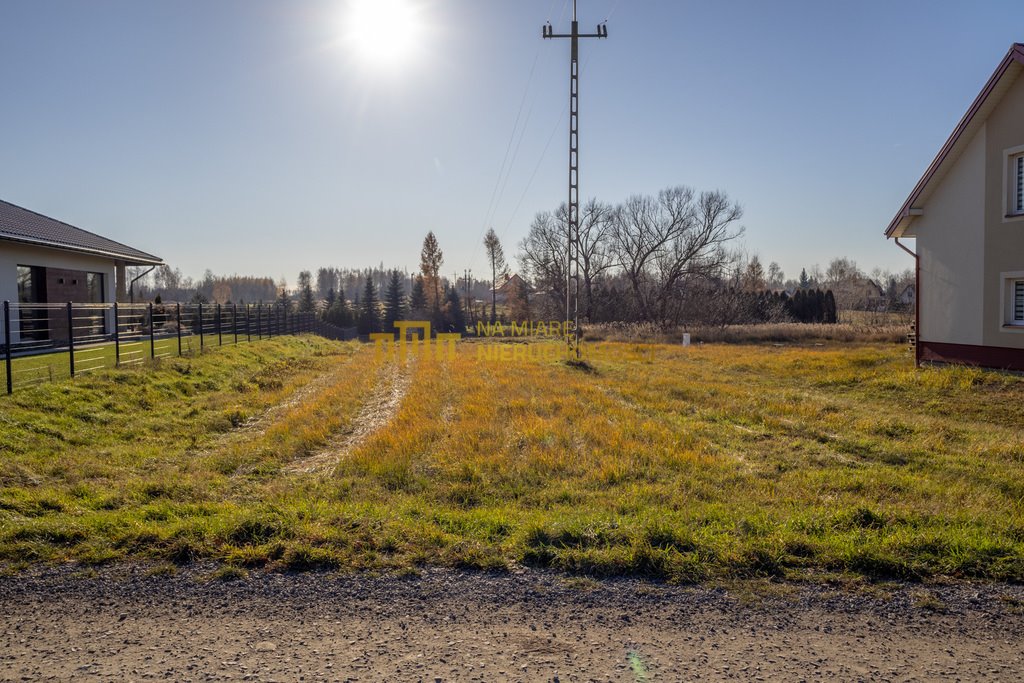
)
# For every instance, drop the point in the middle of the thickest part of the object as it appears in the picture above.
(47, 342)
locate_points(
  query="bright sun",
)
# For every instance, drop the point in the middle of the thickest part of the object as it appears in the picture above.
(383, 33)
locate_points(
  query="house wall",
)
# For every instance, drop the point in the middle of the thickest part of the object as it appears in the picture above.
(1004, 237)
(13, 254)
(951, 250)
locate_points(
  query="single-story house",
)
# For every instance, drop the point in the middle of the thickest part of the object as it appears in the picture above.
(966, 215)
(46, 261)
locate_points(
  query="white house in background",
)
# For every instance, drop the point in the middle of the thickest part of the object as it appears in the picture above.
(43, 260)
(966, 215)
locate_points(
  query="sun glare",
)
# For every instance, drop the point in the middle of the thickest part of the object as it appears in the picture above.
(383, 33)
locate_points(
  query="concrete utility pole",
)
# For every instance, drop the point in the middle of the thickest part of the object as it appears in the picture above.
(572, 290)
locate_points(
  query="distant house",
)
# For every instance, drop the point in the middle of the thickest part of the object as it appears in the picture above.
(45, 261)
(510, 287)
(966, 215)
(908, 297)
(859, 294)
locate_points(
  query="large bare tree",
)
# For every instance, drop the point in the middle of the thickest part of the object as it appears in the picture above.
(543, 252)
(659, 242)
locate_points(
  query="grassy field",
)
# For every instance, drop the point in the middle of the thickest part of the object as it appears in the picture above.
(687, 464)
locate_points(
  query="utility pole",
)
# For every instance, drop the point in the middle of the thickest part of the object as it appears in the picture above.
(572, 289)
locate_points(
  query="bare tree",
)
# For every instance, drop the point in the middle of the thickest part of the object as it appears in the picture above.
(776, 278)
(661, 241)
(496, 257)
(543, 257)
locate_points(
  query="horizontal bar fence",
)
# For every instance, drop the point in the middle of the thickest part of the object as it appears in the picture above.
(48, 342)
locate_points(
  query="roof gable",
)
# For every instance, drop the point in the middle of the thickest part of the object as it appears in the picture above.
(984, 103)
(28, 227)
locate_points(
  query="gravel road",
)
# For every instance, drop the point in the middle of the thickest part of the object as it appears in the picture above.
(120, 624)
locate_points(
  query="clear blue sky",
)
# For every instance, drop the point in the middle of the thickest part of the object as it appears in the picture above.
(245, 136)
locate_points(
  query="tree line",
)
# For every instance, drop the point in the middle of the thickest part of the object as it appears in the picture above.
(671, 259)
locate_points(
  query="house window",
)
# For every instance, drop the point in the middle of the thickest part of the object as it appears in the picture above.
(1018, 188)
(94, 285)
(33, 320)
(1017, 302)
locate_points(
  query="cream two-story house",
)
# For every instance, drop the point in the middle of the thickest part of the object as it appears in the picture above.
(966, 216)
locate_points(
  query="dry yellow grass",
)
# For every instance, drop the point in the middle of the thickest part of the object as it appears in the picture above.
(682, 463)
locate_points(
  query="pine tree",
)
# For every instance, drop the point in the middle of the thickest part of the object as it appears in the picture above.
(339, 313)
(496, 257)
(454, 318)
(431, 260)
(284, 299)
(306, 302)
(418, 297)
(394, 302)
(369, 316)
(805, 282)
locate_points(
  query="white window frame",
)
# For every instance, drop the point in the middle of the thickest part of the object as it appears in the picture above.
(1016, 290)
(1017, 184)
(1008, 321)
(1013, 184)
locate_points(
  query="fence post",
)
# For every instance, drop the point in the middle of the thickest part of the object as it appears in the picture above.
(248, 320)
(7, 345)
(234, 321)
(220, 336)
(117, 338)
(259, 320)
(177, 310)
(152, 334)
(200, 327)
(270, 322)
(71, 339)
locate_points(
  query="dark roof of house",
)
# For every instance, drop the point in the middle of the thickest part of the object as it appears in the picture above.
(21, 225)
(512, 280)
(962, 134)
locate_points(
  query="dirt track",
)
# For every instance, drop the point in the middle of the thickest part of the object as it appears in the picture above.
(122, 625)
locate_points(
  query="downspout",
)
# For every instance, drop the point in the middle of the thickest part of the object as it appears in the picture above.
(917, 302)
(131, 286)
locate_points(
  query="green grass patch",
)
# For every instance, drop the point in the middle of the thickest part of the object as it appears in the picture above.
(707, 463)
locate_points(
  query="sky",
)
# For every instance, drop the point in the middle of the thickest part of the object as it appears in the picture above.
(262, 137)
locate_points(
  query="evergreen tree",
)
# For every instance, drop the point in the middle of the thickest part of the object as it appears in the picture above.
(431, 260)
(455, 319)
(284, 299)
(819, 306)
(369, 316)
(418, 298)
(805, 282)
(831, 314)
(339, 313)
(496, 257)
(306, 302)
(798, 306)
(394, 302)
